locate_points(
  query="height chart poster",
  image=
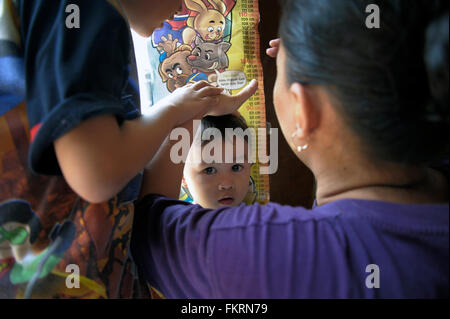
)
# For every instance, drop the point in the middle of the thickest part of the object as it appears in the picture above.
(216, 41)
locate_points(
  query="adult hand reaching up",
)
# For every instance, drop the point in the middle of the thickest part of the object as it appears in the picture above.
(274, 47)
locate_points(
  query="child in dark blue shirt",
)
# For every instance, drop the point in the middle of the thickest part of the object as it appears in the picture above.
(73, 144)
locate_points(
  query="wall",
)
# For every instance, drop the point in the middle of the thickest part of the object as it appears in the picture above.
(293, 183)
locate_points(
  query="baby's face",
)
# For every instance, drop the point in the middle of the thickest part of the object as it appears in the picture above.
(218, 184)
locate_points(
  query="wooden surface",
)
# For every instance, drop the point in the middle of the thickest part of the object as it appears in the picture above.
(293, 182)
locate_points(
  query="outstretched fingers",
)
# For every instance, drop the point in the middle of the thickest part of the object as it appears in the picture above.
(228, 104)
(274, 48)
(210, 91)
(200, 85)
(246, 93)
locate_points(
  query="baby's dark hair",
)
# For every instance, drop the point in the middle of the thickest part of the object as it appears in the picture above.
(391, 83)
(221, 123)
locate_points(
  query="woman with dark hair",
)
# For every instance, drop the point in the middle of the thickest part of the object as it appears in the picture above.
(360, 108)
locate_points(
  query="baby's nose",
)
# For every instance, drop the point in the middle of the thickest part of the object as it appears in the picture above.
(225, 186)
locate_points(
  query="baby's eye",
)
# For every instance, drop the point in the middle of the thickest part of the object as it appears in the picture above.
(210, 29)
(237, 168)
(219, 29)
(208, 56)
(170, 75)
(179, 70)
(210, 170)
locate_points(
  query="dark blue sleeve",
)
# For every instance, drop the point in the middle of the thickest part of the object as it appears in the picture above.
(72, 74)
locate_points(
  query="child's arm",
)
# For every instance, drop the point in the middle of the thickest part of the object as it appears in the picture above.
(99, 157)
(161, 175)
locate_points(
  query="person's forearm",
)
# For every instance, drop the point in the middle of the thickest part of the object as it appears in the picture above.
(162, 176)
(98, 158)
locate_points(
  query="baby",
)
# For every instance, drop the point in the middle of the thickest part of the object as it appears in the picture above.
(209, 181)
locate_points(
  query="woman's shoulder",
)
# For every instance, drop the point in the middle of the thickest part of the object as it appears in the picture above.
(274, 214)
(332, 216)
(410, 217)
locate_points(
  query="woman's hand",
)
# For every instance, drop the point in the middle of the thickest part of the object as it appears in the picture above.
(273, 50)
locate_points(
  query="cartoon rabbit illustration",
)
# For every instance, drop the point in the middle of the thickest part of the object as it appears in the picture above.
(209, 24)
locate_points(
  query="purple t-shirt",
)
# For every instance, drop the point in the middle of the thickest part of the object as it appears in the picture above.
(276, 251)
